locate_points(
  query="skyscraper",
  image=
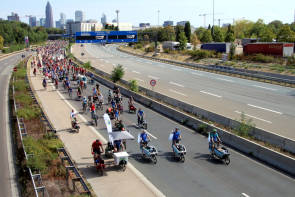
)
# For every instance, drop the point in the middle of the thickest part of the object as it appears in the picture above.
(33, 21)
(42, 22)
(62, 19)
(49, 16)
(79, 16)
(103, 19)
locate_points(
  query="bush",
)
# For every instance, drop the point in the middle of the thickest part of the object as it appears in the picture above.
(87, 65)
(232, 51)
(263, 58)
(138, 46)
(203, 129)
(133, 85)
(291, 62)
(21, 73)
(117, 73)
(201, 54)
(13, 48)
(245, 127)
(149, 49)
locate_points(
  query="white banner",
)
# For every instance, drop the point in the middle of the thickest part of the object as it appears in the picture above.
(108, 122)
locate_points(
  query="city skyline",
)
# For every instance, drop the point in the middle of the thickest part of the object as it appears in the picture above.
(186, 10)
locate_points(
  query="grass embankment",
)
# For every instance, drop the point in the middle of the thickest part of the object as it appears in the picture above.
(257, 62)
(40, 145)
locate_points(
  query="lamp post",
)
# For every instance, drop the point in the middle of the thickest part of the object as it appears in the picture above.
(117, 11)
(158, 17)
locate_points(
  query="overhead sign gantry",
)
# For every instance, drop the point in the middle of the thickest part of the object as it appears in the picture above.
(106, 37)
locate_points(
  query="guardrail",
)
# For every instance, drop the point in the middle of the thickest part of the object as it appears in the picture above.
(71, 167)
(39, 188)
(287, 80)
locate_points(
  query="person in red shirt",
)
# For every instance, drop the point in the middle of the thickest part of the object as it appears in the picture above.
(97, 147)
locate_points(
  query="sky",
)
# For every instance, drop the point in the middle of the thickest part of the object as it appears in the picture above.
(138, 11)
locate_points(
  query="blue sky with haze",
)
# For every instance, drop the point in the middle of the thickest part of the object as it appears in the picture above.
(136, 11)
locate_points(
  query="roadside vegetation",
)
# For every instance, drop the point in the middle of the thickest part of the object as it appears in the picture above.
(133, 85)
(12, 35)
(40, 143)
(117, 73)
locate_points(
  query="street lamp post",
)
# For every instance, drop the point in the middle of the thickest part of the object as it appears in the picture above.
(117, 11)
(158, 17)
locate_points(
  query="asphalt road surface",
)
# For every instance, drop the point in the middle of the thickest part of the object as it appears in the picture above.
(198, 175)
(271, 107)
(7, 179)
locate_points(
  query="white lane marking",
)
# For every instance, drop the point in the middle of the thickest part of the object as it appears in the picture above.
(269, 122)
(245, 195)
(174, 91)
(137, 173)
(153, 77)
(114, 65)
(228, 80)
(211, 94)
(151, 135)
(277, 112)
(134, 71)
(176, 84)
(139, 79)
(257, 86)
(177, 69)
(194, 73)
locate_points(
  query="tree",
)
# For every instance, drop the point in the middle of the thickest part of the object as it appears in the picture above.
(166, 34)
(178, 30)
(195, 41)
(217, 34)
(292, 26)
(266, 34)
(257, 28)
(199, 32)
(275, 26)
(1, 42)
(229, 35)
(188, 31)
(242, 29)
(182, 41)
(206, 36)
(285, 34)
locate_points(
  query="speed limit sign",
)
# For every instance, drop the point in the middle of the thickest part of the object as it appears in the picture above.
(153, 82)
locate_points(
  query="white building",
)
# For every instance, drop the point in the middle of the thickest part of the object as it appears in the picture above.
(103, 19)
(73, 27)
(79, 16)
(122, 26)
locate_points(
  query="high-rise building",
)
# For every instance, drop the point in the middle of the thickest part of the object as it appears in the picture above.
(182, 23)
(62, 19)
(168, 23)
(103, 19)
(42, 22)
(79, 16)
(13, 17)
(33, 21)
(58, 25)
(49, 16)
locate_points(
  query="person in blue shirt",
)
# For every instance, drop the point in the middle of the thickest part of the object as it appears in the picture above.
(113, 103)
(144, 138)
(176, 136)
(214, 139)
(140, 116)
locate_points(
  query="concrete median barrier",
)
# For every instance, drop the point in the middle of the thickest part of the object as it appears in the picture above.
(272, 158)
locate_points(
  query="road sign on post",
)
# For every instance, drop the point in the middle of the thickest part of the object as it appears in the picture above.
(153, 83)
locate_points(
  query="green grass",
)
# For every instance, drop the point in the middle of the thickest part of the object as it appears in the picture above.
(29, 112)
(20, 85)
(44, 151)
(278, 68)
(24, 99)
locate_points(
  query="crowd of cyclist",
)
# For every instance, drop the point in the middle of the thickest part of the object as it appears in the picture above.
(50, 61)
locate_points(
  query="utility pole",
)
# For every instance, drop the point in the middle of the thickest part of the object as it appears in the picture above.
(117, 11)
(213, 15)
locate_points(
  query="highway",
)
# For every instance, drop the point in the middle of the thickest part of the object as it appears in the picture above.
(7, 173)
(198, 175)
(271, 107)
